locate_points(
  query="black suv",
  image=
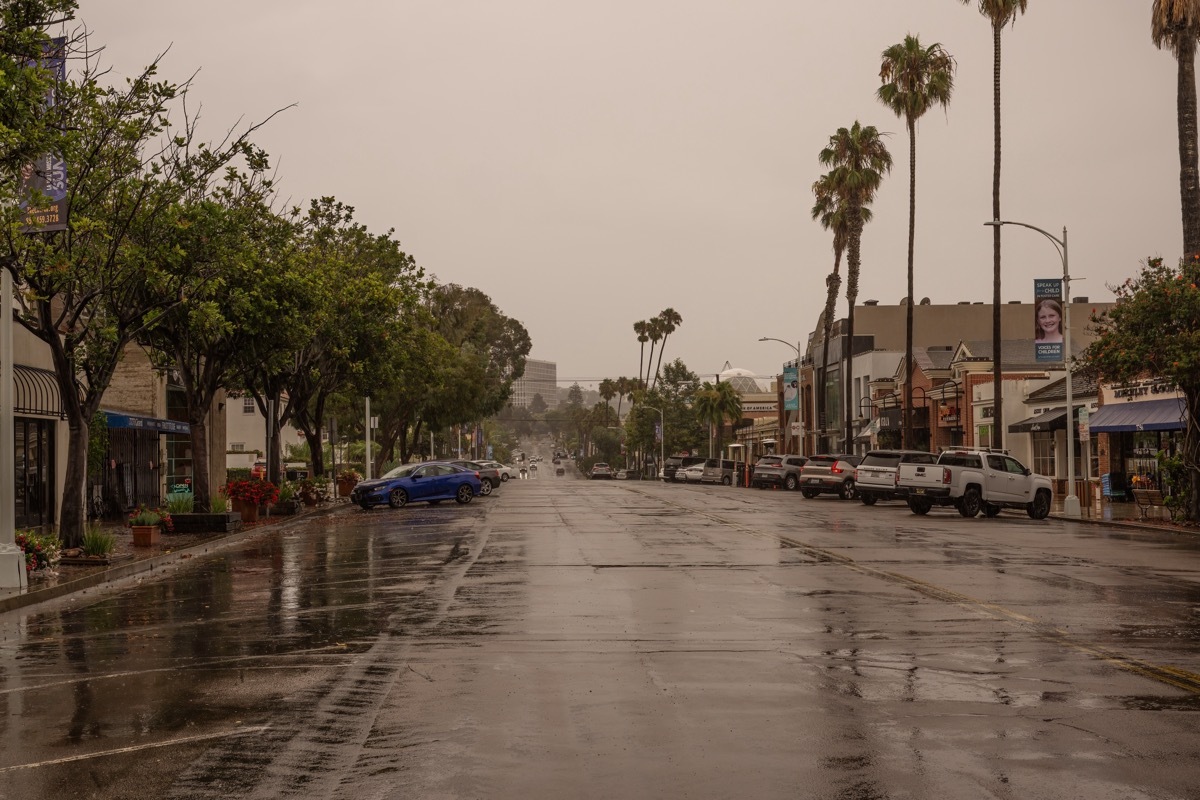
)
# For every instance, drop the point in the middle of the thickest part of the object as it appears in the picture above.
(678, 464)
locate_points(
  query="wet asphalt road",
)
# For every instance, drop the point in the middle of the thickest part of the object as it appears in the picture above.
(578, 639)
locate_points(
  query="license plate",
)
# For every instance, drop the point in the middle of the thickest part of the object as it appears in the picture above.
(814, 480)
(918, 491)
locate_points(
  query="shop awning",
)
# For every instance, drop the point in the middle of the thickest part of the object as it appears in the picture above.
(118, 420)
(1168, 414)
(866, 433)
(35, 391)
(1055, 420)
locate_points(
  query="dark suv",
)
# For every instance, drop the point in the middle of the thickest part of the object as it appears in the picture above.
(677, 464)
(777, 471)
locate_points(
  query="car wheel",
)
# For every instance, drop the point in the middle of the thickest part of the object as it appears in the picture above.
(485, 488)
(726, 480)
(847, 490)
(990, 510)
(504, 477)
(1040, 507)
(398, 498)
(919, 505)
(809, 493)
(970, 503)
(867, 498)
(464, 494)
(790, 483)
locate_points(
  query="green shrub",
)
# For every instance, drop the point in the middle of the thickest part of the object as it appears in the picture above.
(237, 474)
(181, 503)
(218, 503)
(42, 550)
(98, 542)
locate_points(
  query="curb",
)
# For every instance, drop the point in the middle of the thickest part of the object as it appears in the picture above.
(116, 572)
(1130, 524)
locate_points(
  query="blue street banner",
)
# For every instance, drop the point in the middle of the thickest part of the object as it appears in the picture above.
(1048, 319)
(791, 388)
(43, 200)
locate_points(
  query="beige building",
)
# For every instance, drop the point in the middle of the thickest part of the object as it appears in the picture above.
(541, 377)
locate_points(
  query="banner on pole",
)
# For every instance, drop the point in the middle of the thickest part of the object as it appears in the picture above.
(43, 200)
(791, 389)
(1048, 319)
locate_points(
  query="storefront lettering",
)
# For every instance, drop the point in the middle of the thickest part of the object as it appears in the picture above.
(1143, 388)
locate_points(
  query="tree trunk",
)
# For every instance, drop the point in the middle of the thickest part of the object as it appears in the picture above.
(316, 452)
(71, 517)
(907, 440)
(1189, 170)
(201, 483)
(997, 386)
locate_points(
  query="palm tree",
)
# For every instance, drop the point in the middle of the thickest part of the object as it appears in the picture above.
(608, 390)
(641, 328)
(654, 329)
(706, 403)
(671, 320)
(1000, 13)
(859, 160)
(831, 212)
(1176, 23)
(915, 79)
(624, 386)
(728, 407)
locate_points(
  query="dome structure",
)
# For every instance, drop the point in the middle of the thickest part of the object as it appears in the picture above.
(743, 380)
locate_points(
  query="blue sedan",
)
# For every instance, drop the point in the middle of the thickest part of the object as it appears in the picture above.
(431, 483)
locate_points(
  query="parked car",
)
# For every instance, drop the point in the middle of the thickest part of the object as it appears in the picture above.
(674, 464)
(431, 482)
(489, 475)
(829, 474)
(974, 480)
(692, 473)
(777, 471)
(559, 471)
(878, 475)
(505, 471)
(601, 470)
(723, 471)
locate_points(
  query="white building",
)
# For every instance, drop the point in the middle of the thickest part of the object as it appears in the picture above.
(541, 377)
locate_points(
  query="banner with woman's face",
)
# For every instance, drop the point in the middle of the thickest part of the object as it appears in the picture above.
(1048, 319)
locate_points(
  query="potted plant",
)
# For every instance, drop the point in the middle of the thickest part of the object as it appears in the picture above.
(347, 479)
(288, 501)
(313, 490)
(247, 495)
(147, 523)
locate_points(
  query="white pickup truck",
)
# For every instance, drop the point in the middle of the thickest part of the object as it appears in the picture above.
(974, 481)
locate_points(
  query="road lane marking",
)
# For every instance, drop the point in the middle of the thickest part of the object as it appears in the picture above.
(137, 747)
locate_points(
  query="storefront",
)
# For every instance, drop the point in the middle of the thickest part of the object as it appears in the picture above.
(38, 412)
(1131, 433)
(134, 472)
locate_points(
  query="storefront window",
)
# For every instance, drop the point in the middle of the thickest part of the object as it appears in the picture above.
(1043, 453)
(178, 477)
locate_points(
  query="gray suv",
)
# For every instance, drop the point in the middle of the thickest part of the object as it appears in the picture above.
(777, 472)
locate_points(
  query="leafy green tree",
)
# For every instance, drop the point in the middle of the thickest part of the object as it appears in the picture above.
(1175, 24)
(1153, 330)
(89, 291)
(859, 160)
(915, 79)
(537, 404)
(716, 404)
(575, 395)
(1000, 13)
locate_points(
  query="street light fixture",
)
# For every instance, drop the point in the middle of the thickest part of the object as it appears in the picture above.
(781, 341)
(1071, 503)
(662, 437)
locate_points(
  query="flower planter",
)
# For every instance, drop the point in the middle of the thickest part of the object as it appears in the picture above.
(247, 509)
(146, 535)
(225, 522)
(346, 486)
(285, 508)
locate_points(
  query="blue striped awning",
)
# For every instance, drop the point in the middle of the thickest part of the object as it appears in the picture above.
(118, 420)
(1168, 414)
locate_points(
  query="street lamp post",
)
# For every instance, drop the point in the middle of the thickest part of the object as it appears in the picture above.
(799, 417)
(1071, 503)
(662, 437)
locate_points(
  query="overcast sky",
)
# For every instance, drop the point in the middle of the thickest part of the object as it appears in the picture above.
(588, 164)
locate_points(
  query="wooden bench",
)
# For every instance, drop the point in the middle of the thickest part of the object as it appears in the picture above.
(1147, 499)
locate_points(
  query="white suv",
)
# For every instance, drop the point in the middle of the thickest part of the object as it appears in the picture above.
(879, 472)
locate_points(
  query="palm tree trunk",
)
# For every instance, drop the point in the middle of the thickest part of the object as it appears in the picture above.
(1189, 172)
(908, 321)
(658, 368)
(997, 386)
(835, 283)
(853, 265)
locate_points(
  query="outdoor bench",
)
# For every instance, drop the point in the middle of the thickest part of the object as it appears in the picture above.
(1147, 499)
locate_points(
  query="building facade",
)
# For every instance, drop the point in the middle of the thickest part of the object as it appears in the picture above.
(540, 378)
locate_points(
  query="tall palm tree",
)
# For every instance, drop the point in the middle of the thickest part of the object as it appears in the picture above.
(859, 160)
(1176, 24)
(641, 328)
(830, 211)
(915, 79)
(608, 390)
(654, 329)
(623, 386)
(716, 404)
(999, 13)
(670, 320)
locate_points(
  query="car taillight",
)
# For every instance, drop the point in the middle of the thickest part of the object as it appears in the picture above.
(856, 474)
(835, 469)
(477, 475)
(896, 478)
(945, 474)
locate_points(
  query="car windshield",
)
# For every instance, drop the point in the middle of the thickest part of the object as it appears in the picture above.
(402, 471)
(881, 460)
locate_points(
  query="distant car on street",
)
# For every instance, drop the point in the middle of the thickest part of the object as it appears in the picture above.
(505, 471)
(692, 473)
(431, 482)
(601, 470)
